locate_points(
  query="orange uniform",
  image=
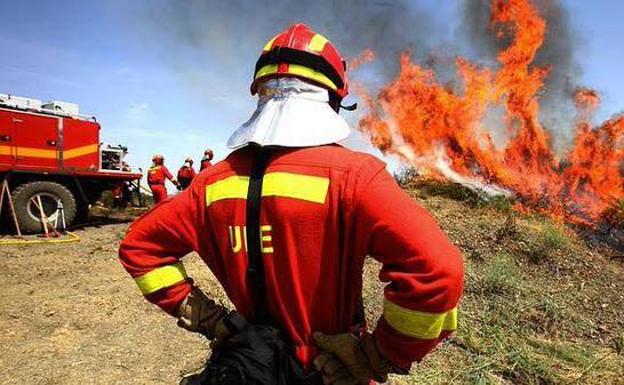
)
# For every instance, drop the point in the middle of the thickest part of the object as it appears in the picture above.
(324, 210)
(156, 177)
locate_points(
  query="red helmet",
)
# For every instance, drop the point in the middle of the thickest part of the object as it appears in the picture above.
(303, 53)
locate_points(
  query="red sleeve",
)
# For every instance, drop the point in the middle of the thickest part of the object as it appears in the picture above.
(167, 173)
(154, 244)
(424, 271)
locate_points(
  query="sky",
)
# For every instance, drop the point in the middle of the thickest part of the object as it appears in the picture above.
(121, 62)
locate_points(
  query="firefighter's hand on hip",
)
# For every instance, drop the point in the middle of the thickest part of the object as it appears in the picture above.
(198, 313)
(349, 360)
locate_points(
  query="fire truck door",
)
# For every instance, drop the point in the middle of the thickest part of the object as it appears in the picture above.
(7, 140)
(36, 140)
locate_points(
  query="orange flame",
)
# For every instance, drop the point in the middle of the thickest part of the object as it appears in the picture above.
(365, 57)
(423, 121)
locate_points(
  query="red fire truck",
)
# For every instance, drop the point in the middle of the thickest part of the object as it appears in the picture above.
(49, 151)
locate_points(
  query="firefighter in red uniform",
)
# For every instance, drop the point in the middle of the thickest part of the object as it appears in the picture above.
(121, 195)
(323, 210)
(156, 177)
(206, 160)
(186, 173)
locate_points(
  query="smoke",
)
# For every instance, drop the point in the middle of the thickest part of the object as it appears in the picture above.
(199, 36)
(214, 44)
(560, 44)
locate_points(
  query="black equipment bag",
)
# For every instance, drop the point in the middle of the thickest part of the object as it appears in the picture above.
(259, 353)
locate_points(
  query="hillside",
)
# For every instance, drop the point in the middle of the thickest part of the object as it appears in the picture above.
(540, 307)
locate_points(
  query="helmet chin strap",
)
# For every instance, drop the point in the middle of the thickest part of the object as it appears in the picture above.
(336, 103)
(351, 107)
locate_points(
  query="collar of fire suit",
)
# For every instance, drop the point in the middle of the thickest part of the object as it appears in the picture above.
(291, 113)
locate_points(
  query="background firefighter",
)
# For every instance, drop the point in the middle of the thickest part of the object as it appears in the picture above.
(186, 173)
(122, 195)
(206, 160)
(157, 176)
(324, 209)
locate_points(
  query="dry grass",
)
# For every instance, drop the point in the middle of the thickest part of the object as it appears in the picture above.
(540, 307)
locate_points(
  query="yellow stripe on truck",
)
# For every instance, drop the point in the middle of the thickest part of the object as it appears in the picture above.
(80, 151)
(279, 184)
(161, 278)
(417, 324)
(49, 154)
(36, 153)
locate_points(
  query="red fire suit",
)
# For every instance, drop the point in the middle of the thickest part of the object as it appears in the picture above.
(186, 175)
(156, 177)
(205, 163)
(324, 210)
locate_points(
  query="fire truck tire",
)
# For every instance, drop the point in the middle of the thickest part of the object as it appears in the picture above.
(25, 198)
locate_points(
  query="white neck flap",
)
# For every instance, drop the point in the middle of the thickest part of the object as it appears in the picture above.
(291, 113)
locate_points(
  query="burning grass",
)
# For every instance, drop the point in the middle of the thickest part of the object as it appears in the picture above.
(443, 130)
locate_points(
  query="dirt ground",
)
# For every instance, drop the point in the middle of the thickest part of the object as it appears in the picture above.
(70, 314)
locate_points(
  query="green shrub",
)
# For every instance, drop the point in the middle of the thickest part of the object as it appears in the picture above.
(499, 203)
(555, 237)
(550, 239)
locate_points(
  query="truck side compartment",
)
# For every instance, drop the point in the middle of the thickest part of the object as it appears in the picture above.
(55, 155)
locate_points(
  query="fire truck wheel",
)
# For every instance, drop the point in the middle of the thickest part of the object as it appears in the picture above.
(53, 197)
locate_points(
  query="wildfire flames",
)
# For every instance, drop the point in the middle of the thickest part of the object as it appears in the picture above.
(443, 132)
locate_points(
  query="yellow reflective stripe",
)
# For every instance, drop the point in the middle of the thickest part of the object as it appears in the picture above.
(304, 187)
(49, 154)
(419, 324)
(36, 153)
(317, 43)
(266, 70)
(80, 151)
(309, 73)
(234, 187)
(297, 70)
(161, 278)
(280, 184)
(269, 45)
